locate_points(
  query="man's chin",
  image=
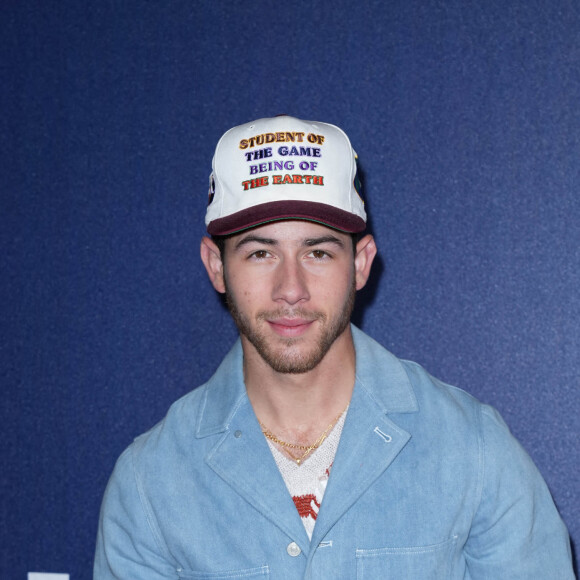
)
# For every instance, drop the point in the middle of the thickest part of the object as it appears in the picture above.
(292, 365)
(291, 355)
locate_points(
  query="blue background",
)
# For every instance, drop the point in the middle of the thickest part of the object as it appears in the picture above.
(466, 119)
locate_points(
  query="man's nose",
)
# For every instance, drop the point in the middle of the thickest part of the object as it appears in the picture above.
(290, 285)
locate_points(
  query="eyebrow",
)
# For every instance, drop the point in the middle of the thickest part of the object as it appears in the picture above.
(258, 239)
(323, 240)
(309, 242)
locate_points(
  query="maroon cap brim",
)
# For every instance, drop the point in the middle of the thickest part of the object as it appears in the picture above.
(287, 210)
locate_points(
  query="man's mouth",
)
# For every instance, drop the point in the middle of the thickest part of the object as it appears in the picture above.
(290, 327)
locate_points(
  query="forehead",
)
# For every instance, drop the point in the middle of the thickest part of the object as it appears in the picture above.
(294, 232)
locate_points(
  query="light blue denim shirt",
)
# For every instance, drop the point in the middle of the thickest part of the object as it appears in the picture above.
(427, 483)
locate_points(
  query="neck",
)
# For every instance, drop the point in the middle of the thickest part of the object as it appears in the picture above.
(299, 405)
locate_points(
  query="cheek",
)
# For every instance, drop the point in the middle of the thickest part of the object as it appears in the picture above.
(334, 288)
(243, 290)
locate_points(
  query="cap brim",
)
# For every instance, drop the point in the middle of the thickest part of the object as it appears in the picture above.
(327, 215)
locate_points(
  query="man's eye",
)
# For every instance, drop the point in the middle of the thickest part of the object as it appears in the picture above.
(319, 254)
(259, 254)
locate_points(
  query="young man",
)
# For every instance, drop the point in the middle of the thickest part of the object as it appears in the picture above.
(313, 452)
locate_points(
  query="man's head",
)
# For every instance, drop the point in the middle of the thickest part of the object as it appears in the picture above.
(285, 214)
(290, 287)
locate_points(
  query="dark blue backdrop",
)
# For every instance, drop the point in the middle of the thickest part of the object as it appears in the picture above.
(465, 115)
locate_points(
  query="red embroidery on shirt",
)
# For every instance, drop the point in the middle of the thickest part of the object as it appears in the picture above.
(305, 505)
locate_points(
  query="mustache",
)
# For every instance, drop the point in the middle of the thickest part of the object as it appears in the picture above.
(290, 313)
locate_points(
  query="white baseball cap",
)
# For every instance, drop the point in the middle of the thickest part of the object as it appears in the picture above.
(284, 168)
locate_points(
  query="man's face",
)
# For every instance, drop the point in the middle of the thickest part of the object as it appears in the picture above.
(290, 287)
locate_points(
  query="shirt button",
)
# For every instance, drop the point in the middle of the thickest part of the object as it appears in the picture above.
(238, 434)
(293, 549)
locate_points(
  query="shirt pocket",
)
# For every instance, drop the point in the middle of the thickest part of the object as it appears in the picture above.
(262, 572)
(416, 563)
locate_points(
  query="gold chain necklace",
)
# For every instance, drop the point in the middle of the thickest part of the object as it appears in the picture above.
(307, 449)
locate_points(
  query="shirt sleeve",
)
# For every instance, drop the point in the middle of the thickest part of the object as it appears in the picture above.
(129, 545)
(517, 532)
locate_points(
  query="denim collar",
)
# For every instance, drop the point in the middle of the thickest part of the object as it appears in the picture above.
(390, 388)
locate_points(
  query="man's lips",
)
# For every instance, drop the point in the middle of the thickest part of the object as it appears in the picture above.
(290, 326)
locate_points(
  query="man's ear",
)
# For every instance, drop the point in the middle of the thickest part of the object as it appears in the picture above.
(212, 260)
(365, 253)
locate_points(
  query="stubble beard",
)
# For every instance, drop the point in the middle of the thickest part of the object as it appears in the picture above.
(282, 356)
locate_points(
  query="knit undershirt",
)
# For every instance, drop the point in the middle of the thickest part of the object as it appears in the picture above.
(307, 482)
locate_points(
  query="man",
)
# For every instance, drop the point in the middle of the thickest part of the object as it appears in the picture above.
(313, 452)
